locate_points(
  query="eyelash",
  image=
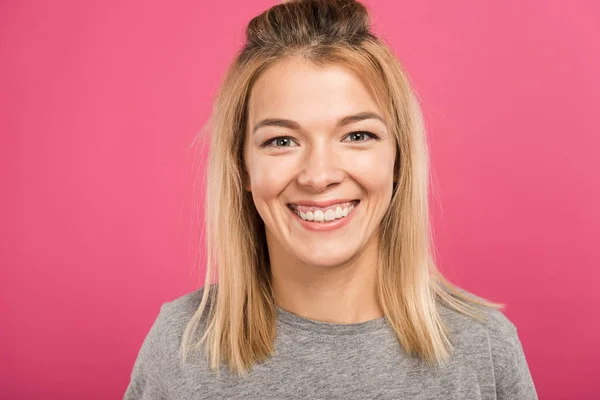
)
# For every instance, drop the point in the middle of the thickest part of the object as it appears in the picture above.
(369, 134)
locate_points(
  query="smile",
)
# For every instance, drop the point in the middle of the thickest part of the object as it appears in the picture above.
(324, 219)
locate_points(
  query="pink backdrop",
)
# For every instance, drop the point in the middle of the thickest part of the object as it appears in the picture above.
(101, 100)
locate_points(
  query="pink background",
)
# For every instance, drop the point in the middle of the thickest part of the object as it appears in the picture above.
(99, 102)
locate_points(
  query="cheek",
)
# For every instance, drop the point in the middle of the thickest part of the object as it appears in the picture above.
(270, 176)
(372, 169)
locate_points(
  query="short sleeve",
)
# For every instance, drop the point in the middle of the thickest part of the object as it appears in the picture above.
(512, 375)
(146, 377)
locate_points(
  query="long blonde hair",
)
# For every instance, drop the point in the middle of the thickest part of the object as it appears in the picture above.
(240, 320)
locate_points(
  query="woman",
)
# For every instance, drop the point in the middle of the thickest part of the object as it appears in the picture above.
(317, 219)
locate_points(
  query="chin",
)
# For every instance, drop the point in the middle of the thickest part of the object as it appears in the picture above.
(326, 259)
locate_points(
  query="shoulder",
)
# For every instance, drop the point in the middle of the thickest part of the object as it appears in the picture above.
(176, 313)
(158, 360)
(495, 320)
(493, 348)
(161, 345)
(184, 305)
(164, 337)
(496, 336)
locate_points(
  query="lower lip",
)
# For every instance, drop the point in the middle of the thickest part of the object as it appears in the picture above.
(325, 226)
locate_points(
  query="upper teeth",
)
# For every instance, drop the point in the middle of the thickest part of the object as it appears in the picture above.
(324, 214)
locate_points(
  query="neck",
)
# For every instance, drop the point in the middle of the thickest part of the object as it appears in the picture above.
(341, 294)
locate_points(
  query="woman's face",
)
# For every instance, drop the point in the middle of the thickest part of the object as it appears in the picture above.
(297, 152)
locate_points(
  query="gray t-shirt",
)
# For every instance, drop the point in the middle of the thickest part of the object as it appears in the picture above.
(320, 360)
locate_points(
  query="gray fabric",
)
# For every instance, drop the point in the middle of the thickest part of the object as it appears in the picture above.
(319, 360)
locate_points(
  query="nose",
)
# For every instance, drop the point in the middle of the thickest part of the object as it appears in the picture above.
(320, 168)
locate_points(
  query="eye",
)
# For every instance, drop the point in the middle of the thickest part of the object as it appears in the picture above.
(286, 141)
(360, 135)
(280, 141)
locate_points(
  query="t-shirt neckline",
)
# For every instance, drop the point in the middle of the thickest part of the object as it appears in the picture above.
(330, 328)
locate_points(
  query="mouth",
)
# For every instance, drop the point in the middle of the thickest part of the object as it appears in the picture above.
(324, 218)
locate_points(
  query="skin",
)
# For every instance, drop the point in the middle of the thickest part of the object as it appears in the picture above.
(324, 276)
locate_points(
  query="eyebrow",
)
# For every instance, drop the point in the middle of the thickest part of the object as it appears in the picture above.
(349, 119)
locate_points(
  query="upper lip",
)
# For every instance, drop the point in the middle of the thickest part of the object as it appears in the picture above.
(323, 203)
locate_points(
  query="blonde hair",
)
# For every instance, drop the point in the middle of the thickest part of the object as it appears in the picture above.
(240, 325)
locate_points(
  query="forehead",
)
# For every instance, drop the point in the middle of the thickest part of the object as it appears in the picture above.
(301, 90)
